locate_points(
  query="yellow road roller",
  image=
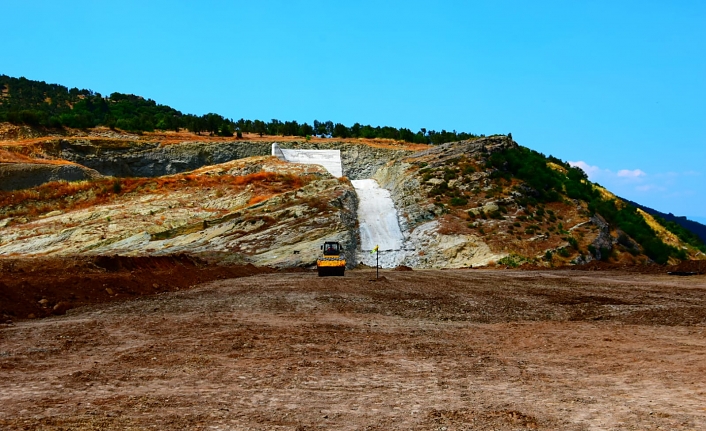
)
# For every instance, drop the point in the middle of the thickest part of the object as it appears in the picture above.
(331, 261)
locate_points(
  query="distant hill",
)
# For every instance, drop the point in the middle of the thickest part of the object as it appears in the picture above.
(695, 227)
(38, 104)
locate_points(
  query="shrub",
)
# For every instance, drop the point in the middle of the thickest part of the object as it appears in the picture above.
(496, 215)
(449, 174)
(573, 242)
(624, 240)
(439, 189)
(605, 253)
(513, 260)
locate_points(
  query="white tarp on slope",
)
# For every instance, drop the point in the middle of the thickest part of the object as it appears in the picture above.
(377, 216)
(378, 224)
(329, 159)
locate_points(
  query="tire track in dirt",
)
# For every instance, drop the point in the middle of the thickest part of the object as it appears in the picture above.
(412, 350)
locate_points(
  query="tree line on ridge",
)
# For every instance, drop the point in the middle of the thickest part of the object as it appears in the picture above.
(38, 104)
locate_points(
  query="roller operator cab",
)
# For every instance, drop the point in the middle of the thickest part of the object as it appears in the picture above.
(331, 261)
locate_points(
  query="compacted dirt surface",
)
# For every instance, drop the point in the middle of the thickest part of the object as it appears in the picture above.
(412, 350)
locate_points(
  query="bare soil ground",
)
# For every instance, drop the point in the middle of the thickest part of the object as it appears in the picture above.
(413, 350)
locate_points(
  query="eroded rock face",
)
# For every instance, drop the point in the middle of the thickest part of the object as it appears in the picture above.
(222, 224)
(407, 193)
(138, 159)
(17, 176)
(144, 159)
(602, 245)
(424, 246)
(427, 248)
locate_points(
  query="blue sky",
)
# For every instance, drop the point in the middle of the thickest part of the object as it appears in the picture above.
(618, 88)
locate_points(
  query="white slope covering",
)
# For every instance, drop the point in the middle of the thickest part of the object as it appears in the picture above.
(377, 218)
(329, 159)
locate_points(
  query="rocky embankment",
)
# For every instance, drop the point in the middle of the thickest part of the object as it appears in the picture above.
(257, 210)
(426, 244)
(136, 158)
(228, 200)
(17, 176)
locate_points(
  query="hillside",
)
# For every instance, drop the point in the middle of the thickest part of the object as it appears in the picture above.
(524, 206)
(467, 203)
(248, 207)
(54, 107)
(85, 174)
(693, 227)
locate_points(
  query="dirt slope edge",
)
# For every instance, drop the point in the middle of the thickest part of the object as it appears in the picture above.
(17, 176)
(40, 287)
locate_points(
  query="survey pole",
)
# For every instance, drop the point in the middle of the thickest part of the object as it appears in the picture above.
(376, 250)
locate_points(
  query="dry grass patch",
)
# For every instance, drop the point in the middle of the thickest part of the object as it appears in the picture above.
(62, 195)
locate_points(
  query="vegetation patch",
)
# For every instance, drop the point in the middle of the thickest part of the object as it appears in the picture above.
(545, 183)
(514, 260)
(67, 196)
(38, 104)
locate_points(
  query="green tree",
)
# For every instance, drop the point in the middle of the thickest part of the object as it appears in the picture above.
(259, 127)
(340, 131)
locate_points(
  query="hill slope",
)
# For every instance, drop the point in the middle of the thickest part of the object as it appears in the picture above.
(257, 210)
(692, 226)
(461, 204)
(522, 205)
(54, 106)
(69, 188)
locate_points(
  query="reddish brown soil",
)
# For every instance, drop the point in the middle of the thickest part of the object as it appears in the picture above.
(33, 288)
(413, 350)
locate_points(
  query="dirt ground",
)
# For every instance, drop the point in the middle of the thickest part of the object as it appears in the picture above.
(413, 350)
(44, 286)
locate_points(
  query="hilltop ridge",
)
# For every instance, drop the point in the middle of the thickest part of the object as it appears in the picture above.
(55, 107)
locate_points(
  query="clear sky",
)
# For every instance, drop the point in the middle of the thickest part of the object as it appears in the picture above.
(618, 87)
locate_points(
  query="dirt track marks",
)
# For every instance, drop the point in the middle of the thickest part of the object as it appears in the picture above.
(415, 350)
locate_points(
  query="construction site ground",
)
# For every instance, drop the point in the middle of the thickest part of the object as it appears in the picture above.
(172, 345)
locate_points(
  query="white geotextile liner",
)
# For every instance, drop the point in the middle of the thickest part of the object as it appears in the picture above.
(329, 159)
(377, 218)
